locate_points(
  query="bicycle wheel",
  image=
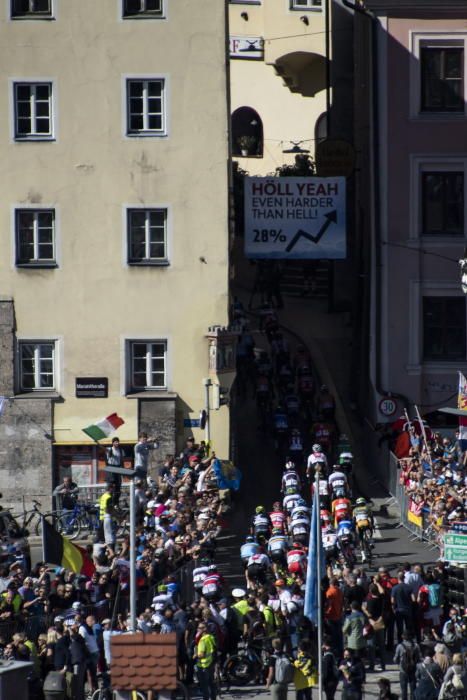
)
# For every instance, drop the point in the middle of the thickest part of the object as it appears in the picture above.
(37, 527)
(239, 670)
(102, 694)
(69, 525)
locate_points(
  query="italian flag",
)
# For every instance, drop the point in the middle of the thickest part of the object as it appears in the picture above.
(103, 428)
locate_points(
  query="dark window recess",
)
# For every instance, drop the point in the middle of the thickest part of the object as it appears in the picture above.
(442, 74)
(247, 133)
(443, 203)
(444, 328)
(152, 8)
(24, 8)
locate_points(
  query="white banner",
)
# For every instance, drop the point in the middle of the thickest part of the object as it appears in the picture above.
(295, 217)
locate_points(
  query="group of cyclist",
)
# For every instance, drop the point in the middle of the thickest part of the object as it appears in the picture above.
(276, 545)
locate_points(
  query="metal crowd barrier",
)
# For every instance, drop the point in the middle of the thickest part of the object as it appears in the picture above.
(34, 625)
(418, 525)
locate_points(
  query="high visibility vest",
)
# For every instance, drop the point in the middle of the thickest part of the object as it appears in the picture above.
(103, 504)
(206, 647)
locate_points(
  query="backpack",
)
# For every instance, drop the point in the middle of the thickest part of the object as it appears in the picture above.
(408, 662)
(457, 683)
(284, 670)
(434, 595)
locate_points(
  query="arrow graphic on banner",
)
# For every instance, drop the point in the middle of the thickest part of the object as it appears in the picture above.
(331, 218)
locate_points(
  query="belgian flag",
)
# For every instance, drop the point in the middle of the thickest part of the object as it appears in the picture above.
(59, 550)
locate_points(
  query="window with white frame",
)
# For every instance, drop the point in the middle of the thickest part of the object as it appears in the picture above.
(442, 201)
(36, 370)
(442, 77)
(143, 8)
(31, 8)
(305, 4)
(35, 236)
(33, 110)
(146, 106)
(148, 365)
(147, 236)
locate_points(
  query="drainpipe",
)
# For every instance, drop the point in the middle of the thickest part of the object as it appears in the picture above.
(377, 201)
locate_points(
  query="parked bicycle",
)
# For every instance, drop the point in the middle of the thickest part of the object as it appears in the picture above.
(84, 519)
(248, 665)
(31, 519)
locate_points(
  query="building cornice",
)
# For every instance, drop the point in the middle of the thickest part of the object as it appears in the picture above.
(418, 8)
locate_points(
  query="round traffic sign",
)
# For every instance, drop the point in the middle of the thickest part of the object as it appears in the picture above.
(387, 406)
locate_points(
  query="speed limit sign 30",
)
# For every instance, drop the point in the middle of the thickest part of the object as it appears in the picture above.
(387, 406)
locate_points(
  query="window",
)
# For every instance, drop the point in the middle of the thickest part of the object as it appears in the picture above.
(31, 8)
(147, 236)
(143, 8)
(148, 365)
(36, 365)
(304, 4)
(33, 110)
(35, 236)
(442, 79)
(444, 328)
(145, 106)
(443, 203)
(247, 133)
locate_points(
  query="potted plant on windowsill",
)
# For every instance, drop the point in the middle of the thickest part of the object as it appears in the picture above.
(246, 144)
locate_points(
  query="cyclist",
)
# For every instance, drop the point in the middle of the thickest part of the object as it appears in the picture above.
(363, 519)
(277, 546)
(290, 478)
(317, 457)
(345, 539)
(338, 483)
(296, 559)
(261, 524)
(248, 548)
(341, 509)
(278, 518)
(299, 526)
(280, 428)
(323, 433)
(329, 539)
(346, 465)
(257, 569)
(296, 447)
(199, 574)
(323, 490)
(212, 584)
(292, 403)
(291, 499)
(326, 519)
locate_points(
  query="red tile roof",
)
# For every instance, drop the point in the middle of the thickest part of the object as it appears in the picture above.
(144, 661)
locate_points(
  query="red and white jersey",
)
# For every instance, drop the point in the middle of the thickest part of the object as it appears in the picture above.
(315, 458)
(329, 540)
(211, 583)
(278, 519)
(296, 559)
(322, 433)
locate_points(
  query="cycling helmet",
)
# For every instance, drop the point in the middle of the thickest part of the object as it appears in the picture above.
(290, 491)
(276, 531)
(316, 448)
(297, 545)
(259, 509)
(58, 619)
(360, 502)
(276, 506)
(213, 567)
(250, 538)
(290, 465)
(301, 503)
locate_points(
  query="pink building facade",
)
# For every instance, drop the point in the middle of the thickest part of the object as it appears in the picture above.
(411, 197)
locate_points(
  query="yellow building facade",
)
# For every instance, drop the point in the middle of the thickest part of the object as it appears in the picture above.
(114, 228)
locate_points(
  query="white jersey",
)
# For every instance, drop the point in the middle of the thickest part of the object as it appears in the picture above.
(199, 574)
(290, 479)
(337, 480)
(299, 526)
(300, 511)
(260, 559)
(329, 540)
(315, 458)
(291, 501)
(261, 523)
(323, 487)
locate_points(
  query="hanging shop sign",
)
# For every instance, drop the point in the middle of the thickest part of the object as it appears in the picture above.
(246, 47)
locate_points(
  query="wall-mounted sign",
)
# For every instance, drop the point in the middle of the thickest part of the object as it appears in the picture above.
(246, 47)
(334, 157)
(295, 217)
(92, 387)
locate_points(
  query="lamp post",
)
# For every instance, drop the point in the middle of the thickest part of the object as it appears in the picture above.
(207, 428)
(130, 473)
